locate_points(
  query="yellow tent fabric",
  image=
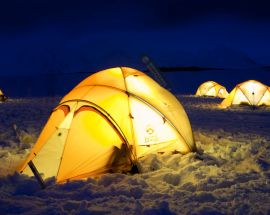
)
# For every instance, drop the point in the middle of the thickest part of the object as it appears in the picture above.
(250, 92)
(106, 123)
(213, 89)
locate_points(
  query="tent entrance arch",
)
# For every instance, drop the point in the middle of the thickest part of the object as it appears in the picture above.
(94, 146)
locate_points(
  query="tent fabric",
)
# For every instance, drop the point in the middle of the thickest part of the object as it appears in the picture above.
(106, 123)
(213, 89)
(250, 92)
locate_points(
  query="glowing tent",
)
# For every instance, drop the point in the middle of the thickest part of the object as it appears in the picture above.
(211, 88)
(106, 123)
(250, 93)
(2, 96)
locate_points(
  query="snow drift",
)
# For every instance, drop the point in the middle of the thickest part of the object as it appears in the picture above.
(228, 175)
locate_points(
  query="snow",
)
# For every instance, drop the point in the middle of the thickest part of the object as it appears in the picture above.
(228, 175)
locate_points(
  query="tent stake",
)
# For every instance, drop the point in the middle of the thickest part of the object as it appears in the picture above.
(37, 175)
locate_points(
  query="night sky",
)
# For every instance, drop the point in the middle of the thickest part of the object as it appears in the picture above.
(56, 37)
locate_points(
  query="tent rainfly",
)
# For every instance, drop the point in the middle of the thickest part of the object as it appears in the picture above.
(250, 92)
(106, 123)
(213, 89)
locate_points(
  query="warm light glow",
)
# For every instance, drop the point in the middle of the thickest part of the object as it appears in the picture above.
(250, 92)
(149, 126)
(211, 88)
(99, 127)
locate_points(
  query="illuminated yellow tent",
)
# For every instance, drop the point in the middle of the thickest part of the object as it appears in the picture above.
(2, 96)
(213, 89)
(250, 92)
(106, 123)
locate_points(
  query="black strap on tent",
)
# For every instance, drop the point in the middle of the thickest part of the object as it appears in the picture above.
(37, 175)
(155, 71)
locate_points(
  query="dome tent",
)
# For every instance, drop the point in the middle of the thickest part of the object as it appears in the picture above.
(250, 92)
(106, 123)
(2, 96)
(213, 89)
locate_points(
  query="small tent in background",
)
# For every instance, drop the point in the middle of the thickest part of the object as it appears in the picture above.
(213, 89)
(250, 92)
(106, 123)
(2, 96)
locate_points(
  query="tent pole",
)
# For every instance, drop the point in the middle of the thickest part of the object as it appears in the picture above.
(37, 175)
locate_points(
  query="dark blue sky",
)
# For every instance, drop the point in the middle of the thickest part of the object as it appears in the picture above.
(21, 16)
(67, 36)
(56, 37)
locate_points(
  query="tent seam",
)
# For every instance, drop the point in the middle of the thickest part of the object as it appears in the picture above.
(131, 123)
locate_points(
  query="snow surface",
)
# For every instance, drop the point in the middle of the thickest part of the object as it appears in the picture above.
(228, 175)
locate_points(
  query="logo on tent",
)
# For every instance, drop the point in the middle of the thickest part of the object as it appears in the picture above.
(149, 130)
(150, 135)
